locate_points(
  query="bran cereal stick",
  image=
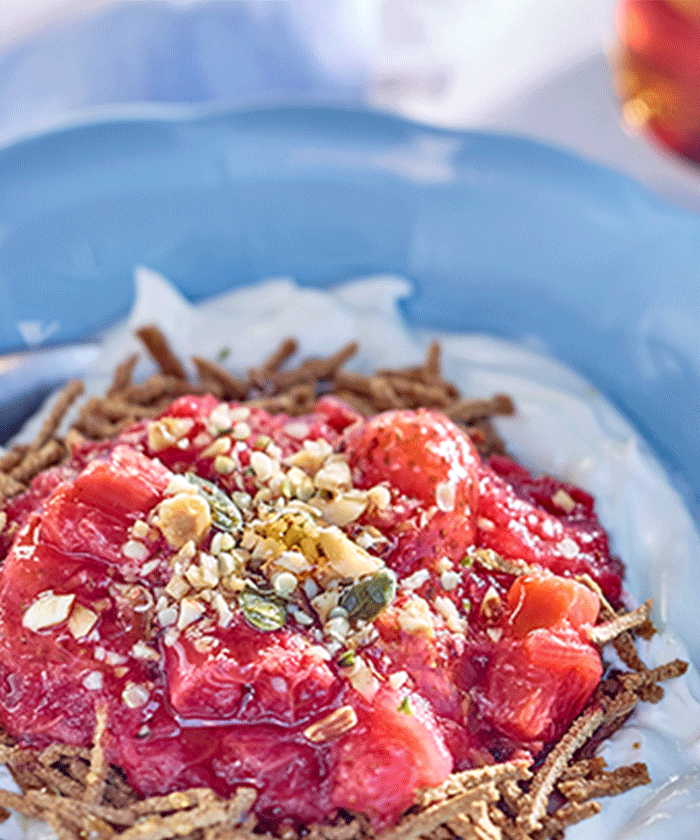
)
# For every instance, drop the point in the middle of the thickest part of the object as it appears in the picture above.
(160, 351)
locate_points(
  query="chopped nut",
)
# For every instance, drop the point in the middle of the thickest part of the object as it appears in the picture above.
(205, 644)
(448, 611)
(491, 605)
(241, 430)
(334, 476)
(187, 552)
(140, 529)
(297, 429)
(81, 621)
(220, 419)
(379, 497)
(337, 627)
(93, 680)
(345, 557)
(141, 650)
(416, 580)
(177, 587)
(494, 633)
(415, 617)
(324, 602)
(210, 569)
(301, 484)
(112, 658)
(311, 456)
(135, 695)
(150, 567)
(342, 509)
(398, 679)
(195, 577)
(444, 564)
(219, 446)
(363, 680)
(182, 518)
(166, 432)
(227, 563)
(563, 500)
(284, 583)
(47, 611)
(332, 726)
(216, 541)
(224, 465)
(135, 550)
(262, 465)
(450, 580)
(179, 484)
(292, 561)
(190, 611)
(167, 617)
(445, 496)
(222, 608)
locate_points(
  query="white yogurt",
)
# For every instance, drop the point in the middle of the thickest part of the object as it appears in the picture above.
(562, 426)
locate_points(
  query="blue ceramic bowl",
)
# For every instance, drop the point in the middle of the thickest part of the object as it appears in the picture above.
(498, 234)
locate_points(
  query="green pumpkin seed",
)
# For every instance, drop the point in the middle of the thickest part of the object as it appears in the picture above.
(224, 514)
(367, 598)
(264, 614)
(405, 706)
(346, 659)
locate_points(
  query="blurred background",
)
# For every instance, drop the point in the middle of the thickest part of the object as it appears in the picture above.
(539, 68)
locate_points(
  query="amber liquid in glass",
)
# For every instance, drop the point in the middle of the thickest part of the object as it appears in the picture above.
(657, 70)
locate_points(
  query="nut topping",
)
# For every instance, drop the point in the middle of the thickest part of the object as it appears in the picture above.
(332, 726)
(47, 611)
(182, 518)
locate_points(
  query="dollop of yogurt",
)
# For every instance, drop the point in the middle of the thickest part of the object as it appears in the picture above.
(562, 426)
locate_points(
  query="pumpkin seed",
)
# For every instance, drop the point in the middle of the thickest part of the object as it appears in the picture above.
(405, 706)
(346, 659)
(367, 598)
(262, 613)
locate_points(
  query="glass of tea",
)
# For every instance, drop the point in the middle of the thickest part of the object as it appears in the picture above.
(657, 71)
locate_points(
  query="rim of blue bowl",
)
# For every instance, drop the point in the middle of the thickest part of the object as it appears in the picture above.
(93, 118)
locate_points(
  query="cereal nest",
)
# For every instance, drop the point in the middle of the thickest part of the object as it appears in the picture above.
(80, 796)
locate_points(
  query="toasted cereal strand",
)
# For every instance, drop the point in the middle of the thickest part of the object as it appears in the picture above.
(583, 768)
(98, 764)
(312, 370)
(606, 784)
(284, 351)
(470, 410)
(419, 825)
(456, 783)
(603, 633)
(667, 671)
(12, 457)
(201, 816)
(432, 363)
(67, 396)
(123, 373)
(37, 460)
(160, 351)
(475, 821)
(9, 487)
(567, 815)
(233, 387)
(342, 831)
(535, 801)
